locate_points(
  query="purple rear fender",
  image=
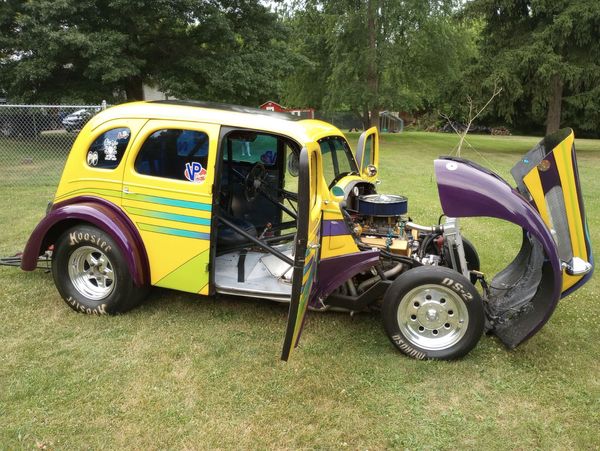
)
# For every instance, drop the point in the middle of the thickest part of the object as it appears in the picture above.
(467, 190)
(100, 213)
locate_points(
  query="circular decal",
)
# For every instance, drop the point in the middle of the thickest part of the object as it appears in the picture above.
(194, 172)
(451, 166)
(544, 165)
(92, 158)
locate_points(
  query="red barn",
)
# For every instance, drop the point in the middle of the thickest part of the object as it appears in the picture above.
(272, 106)
(307, 113)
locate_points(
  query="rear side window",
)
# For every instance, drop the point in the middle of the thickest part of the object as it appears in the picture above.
(108, 149)
(174, 154)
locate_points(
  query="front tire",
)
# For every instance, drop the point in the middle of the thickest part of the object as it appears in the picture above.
(432, 312)
(91, 273)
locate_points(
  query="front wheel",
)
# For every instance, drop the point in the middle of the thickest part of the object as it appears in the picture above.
(91, 273)
(432, 312)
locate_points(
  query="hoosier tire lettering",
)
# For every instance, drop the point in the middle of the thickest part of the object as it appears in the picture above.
(75, 305)
(78, 237)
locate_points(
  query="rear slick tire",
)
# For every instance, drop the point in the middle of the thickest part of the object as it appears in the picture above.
(432, 312)
(91, 273)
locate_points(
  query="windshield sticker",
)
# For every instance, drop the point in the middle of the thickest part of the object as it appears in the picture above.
(268, 157)
(110, 149)
(194, 172)
(92, 158)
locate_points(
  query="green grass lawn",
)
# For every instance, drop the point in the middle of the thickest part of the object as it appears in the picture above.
(184, 371)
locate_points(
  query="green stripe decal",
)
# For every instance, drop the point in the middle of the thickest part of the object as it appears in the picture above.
(98, 191)
(169, 201)
(167, 216)
(176, 232)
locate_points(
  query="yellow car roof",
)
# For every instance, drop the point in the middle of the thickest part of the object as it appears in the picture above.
(302, 130)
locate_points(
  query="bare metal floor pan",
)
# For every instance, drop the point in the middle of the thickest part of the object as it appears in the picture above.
(256, 274)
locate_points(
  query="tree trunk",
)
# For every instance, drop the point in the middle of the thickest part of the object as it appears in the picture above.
(375, 117)
(134, 89)
(554, 105)
(372, 72)
(366, 120)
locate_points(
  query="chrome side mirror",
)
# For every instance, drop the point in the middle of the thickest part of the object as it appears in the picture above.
(371, 170)
(577, 267)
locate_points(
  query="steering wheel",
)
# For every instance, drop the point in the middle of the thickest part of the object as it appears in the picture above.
(253, 181)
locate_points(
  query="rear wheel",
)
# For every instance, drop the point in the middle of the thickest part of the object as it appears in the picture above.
(432, 312)
(91, 273)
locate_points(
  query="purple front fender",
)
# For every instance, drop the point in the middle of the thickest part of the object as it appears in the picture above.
(467, 190)
(100, 213)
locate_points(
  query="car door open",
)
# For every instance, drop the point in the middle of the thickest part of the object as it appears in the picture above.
(307, 244)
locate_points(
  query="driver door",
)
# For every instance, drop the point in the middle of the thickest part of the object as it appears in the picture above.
(307, 243)
(367, 154)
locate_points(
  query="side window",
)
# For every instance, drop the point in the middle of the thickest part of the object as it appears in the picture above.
(108, 149)
(174, 154)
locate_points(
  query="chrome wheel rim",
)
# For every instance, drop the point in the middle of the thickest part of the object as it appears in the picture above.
(433, 317)
(91, 273)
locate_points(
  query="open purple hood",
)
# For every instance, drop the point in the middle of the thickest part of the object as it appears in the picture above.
(524, 295)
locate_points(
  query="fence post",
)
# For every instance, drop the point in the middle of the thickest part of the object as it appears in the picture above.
(103, 105)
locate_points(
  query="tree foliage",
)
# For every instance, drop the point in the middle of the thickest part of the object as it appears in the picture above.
(546, 54)
(223, 50)
(369, 55)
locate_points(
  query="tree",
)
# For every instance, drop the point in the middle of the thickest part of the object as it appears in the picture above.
(370, 55)
(544, 52)
(224, 50)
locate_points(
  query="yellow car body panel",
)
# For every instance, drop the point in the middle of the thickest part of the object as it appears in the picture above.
(558, 172)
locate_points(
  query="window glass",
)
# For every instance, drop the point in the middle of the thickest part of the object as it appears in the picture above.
(368, 154)
(108, 149)
(174, 154)
(254, 148)
(313, 178)
(337, 158)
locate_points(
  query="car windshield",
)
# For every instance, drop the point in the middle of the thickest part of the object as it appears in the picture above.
(338, 160)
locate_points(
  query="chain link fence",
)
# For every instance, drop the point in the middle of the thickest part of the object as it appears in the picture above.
(34, 143)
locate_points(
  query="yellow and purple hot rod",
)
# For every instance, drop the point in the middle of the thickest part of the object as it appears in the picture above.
(210, 198)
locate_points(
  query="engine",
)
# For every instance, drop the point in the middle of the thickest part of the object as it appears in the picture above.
(379, 221)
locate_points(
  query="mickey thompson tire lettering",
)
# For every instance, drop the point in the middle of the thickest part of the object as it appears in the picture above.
(433, 312)
(125, 294)
(406, 348)
(458, 287)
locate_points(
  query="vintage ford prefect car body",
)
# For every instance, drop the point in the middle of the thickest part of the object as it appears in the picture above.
(208, 198)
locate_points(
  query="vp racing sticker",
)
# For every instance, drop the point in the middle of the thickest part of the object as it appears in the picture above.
(194, 172)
